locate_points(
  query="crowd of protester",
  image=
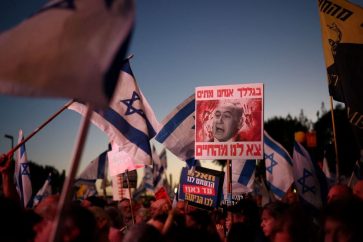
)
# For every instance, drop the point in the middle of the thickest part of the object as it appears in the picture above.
(151, 219)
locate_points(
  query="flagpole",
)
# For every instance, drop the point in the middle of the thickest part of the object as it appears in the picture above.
(129, 188)
(39, 128)
(66, 195)
(229, 182)
(335, 141)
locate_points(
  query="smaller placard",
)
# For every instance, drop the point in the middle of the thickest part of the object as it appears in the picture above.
(201, 187)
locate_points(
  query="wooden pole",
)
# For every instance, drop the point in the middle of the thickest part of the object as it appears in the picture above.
(11, 152)
(229, 182)
(128, 186)
(335, 142)
(66, 195)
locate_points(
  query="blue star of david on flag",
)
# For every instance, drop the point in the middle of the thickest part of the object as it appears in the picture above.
(273, 162)
(131, 109)
(25, 169)
(303, 180)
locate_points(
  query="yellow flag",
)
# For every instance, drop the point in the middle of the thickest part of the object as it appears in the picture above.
(342, 35)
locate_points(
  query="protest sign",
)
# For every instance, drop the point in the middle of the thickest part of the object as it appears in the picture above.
(201, 187)
(229, 122)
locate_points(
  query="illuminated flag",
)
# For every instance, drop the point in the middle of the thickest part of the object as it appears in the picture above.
(67, 49)
(278, 162)
(243, 176)
(44, 192)
(130, 121)
(95, 170)
(306, 178)
(342, 36)
(22, 174)
(177, 130)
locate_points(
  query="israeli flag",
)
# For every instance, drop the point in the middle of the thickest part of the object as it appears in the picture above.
(243, 176)
(130, 121)
(22, 174)
(68, 49)
(306, 180)
(95, 170)
(278, 162)
(177, 131)
(44, 192)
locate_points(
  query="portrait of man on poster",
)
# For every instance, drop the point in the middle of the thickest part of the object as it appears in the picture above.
(227, 121)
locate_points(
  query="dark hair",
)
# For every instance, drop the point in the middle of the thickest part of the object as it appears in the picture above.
(84, 220)
(276, 209)
(143, 233)
(241, 230)
(348, 212)
(97, 201)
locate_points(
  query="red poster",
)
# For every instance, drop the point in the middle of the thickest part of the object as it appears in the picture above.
(229, 122)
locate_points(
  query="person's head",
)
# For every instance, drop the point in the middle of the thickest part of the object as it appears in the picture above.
(227, 120)
(241, 230)
(143, 233)
(342, 220)
(103, 221)
(245, 211)
(160, 206)
(47, 207)
(125, 207)
(297, 225)
(93, 201)
(271, 218)
(180, 207)
(339, 191)
(358, 189)
(78, 224)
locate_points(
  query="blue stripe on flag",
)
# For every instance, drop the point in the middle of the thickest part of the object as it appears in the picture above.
(174, 122)
(22, 151)
(275, 190)
(101, 165)
(127, 68)
(277, 149)
(191, 162)
(20, 184)
(298, 150)
(134, 135)
(247, 172)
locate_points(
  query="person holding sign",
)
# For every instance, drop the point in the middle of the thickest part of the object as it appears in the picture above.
(227, 121)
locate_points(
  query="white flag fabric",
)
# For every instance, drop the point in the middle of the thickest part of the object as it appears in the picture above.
(22, 174)
(119, 161)
(326, 169)
(67, 49)
(130, 121)
(306, 181)
(278, 162)
(44, 191)
(177, 130)
(95, 170)
(243, 176)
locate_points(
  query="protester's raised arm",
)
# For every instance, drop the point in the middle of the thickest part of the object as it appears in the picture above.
(7, 174)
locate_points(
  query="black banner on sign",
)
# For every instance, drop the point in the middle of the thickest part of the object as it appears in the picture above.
(132, 179)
